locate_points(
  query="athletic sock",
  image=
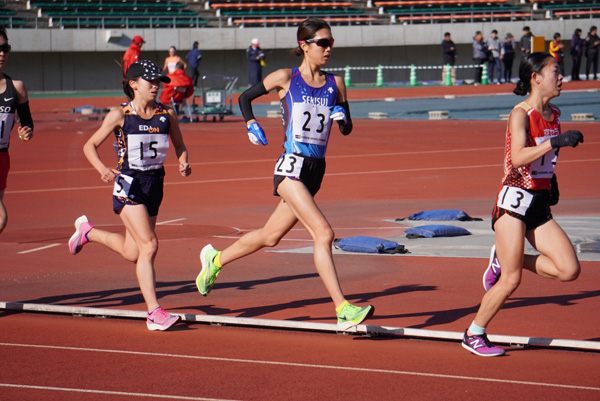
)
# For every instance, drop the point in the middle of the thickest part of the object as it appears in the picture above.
(217, 260)
(339, 308)
(476, 330)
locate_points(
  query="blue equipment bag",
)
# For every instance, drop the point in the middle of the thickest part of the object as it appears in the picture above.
(440, 215)
(431, 231)
(366, 244)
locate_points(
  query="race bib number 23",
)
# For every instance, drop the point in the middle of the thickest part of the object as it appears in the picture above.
(289, 165)
(514, 199)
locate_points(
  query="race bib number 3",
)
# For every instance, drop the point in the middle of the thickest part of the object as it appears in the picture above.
(122, 185)
(514, 199)
(289, 165)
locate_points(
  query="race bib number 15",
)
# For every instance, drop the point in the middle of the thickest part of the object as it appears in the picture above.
(514, 199)
(289, 165)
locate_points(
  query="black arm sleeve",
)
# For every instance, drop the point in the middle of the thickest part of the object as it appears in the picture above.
(247, 97)
(25, 115)
(345, 128)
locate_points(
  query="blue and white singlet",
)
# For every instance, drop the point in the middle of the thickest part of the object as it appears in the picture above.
(305, 114)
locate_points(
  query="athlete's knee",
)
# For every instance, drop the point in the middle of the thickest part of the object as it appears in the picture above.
(3, 222)
(509, 281)
(325, 236)
(270, 239)
(569, 271)
(148, 247)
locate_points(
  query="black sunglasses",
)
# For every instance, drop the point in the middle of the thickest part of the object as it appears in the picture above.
(5, 48)
(324, 43)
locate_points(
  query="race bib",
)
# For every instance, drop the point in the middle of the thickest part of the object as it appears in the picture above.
(514, 199)
(311, 123)
(544, 166)
(122, 185)
(289, 165)
(147, 151)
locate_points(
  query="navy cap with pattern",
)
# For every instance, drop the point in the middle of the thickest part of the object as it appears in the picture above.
(147, 70)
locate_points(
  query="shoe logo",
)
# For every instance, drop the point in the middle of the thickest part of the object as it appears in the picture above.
(496, 266)
(476, 343)
(7, 99)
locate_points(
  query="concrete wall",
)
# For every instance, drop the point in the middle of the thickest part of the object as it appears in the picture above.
(84, 60)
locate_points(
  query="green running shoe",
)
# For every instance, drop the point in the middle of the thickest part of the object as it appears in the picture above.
(351, 316)
(209, 272)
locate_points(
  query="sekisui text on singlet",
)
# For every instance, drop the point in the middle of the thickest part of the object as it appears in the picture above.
(8, 105)
(142, 143)
(536, 175)
(305, 112)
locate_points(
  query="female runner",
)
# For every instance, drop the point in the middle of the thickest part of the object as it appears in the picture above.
(142, 128)
(522, 210)
(310, 100)
(13, 99)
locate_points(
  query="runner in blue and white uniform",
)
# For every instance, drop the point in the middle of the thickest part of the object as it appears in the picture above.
(13, 99)
(142, 128)
(310, 100)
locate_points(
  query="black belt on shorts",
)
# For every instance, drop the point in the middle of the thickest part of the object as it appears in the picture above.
(3, 150)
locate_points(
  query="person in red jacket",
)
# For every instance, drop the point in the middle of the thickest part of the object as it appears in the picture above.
(132, 54)
(178, 80)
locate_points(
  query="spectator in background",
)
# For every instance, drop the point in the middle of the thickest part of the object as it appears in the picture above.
(256, 60)
(592, 41)
(194, 57)
(555, 48)
(576, 54)
(448, 56)
(172, 60)
(507, 54)
(494, 44)
(132, 54)
(525, 42)
(183, 83)
(480, 55)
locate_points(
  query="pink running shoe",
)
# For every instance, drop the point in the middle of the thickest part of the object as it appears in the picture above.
(159, 319)
(79, 239)
(492, 273)
(480, 345)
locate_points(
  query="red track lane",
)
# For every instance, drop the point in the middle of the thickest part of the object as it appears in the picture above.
(385, 169)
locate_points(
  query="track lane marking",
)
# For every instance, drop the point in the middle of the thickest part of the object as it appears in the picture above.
(305, 365)
(106, 392)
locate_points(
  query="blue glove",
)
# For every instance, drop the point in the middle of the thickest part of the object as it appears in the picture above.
(338, 113)
(256, 134)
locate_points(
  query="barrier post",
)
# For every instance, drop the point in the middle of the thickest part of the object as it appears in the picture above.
(347, 80)
(448, 75)
(379, 79)
(484, 75)
(413, 76)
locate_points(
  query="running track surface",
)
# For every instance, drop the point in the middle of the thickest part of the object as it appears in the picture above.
(383, 170)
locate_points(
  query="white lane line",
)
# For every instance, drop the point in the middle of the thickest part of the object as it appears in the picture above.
(245, 179)
(38, 249)
(305, 365)
(170, 221)
(106, 392)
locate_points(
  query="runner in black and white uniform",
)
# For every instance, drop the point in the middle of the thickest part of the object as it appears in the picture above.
(310, 100)
(13, 99)
(142, 128)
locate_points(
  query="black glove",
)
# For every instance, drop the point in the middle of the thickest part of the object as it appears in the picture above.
(554, 194)
(570, 138)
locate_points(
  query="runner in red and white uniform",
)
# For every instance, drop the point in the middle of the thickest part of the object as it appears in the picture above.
(13, 98)
(529, 188)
